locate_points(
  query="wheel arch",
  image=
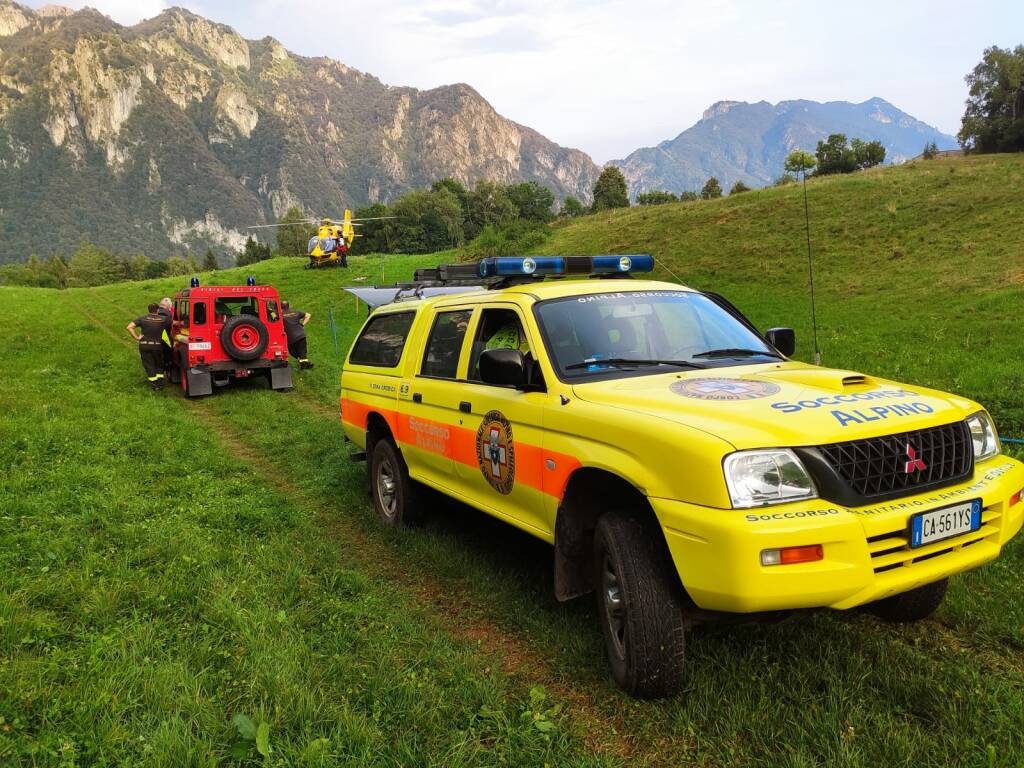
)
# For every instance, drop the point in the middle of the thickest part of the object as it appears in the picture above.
(589, 493)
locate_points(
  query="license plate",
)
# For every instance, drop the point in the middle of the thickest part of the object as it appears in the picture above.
(939, 524)
(200, 346)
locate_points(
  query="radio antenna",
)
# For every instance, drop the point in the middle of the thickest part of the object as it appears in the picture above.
(810, 271)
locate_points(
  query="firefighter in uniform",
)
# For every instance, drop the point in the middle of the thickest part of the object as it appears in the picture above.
(295, 329)
(166, 305)
(150, 330)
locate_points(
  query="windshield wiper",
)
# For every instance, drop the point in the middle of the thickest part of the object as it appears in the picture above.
(622, 362)
(737, 352)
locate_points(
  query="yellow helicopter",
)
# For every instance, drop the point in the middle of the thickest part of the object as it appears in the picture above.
(330, 246)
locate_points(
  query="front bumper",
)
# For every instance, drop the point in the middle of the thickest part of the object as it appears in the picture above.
(717, 552)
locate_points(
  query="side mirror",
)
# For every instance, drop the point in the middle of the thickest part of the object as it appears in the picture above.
(783, 339)
(503, 368)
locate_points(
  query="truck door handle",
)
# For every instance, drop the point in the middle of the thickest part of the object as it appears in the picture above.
(465, 406)
(417, 397)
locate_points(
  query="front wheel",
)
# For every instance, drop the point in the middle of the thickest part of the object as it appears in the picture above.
(392, 490)
(915, 605)
(640, 604)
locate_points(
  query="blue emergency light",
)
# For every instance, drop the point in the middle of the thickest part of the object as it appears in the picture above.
(250, 280)
(195, 282)
(530, 266)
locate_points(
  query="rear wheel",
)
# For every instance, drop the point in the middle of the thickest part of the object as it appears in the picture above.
(393, 491)
(910, 606)
(640, 604)
(244, 337)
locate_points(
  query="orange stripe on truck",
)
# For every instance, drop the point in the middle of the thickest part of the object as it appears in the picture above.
(542, 470)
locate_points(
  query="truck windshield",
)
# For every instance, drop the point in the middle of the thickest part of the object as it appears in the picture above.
(645, 332)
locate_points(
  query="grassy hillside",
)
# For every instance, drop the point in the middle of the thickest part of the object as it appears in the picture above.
(167, 565)
(919, 269)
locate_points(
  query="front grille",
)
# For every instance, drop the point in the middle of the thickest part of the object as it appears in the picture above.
(877, 467)
(891, 550)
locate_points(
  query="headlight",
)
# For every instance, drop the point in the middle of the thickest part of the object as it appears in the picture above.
(983, 435)
(774, 476)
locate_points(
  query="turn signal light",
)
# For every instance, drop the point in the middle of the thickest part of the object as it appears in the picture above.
(792, 555)
(1015, 499)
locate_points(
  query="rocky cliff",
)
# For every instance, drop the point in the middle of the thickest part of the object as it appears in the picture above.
(176, 133)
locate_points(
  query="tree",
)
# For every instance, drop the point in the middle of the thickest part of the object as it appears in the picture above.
(373, 236)
(655, 197)
(993, 120)
(797, 163)
(867, 154)
(427, 220)
(210, 262)
(294, 234)
(135, 267)
(610, 190)
(532, 201)
(487, 204)
(59, 270)
(454, 186)
(181, 265)
(156, 269)
(254, 251)
(688, 196)
(834, 155)
(930, 151)
(738, 187)
(711, 189)
(92, 265)
(787, 178)
(571, 208)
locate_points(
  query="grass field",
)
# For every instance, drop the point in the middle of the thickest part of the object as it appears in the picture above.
(205, 582)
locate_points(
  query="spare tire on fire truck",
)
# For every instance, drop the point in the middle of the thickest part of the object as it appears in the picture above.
(244, 337)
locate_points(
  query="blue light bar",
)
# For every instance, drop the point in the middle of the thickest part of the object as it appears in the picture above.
(530, 266)
(195, 282)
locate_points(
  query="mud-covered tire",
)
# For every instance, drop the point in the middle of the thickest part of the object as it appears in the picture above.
(915, 605)
(640, 605)
(244, 337)
(394, 493)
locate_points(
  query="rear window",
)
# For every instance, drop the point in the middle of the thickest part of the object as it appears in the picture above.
(382, 340)
(199, 313)
(226, 306)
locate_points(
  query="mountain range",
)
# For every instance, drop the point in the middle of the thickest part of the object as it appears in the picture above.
(175, 134)
(738, 141)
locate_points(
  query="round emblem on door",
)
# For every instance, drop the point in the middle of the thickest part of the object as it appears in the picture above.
(495, 452)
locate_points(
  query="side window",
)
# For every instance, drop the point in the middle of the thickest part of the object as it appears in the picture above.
(272, 315)
(382, 340)
(199, 313)
(441, 357)
(498, 329)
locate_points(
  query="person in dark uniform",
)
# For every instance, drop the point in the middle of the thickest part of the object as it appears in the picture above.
(166, 305)
(149, 330)
(295, 329)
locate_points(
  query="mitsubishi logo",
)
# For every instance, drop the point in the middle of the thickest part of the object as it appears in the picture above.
(914, 464)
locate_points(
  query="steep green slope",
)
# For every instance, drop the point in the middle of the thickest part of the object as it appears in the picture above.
(919, 269)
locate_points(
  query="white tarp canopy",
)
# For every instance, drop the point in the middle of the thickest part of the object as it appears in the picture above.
(376, 297)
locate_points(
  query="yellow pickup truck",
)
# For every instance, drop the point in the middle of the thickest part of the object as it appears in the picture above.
(680, 463)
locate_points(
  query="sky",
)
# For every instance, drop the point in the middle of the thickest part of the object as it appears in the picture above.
(610, 76)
